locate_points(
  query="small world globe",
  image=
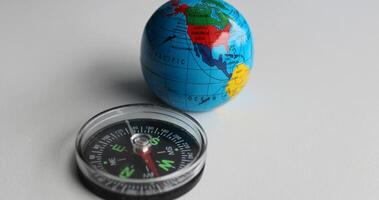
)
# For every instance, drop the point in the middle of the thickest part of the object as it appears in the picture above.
(197, 54)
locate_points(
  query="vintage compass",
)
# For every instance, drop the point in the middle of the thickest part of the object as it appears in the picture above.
(141, 152)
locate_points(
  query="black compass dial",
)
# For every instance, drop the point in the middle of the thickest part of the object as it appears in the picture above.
(141, 149)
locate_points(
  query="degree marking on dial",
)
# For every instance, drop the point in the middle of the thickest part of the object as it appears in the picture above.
(114, 136)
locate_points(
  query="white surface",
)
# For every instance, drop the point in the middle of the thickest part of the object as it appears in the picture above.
(306, 127)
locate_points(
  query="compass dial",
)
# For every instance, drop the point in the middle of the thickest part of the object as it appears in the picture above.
(141, 152)
(112, 150)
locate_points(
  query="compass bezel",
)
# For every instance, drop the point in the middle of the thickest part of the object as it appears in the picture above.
(171, 181)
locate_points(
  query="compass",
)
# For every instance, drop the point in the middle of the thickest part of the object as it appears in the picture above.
(141, 151)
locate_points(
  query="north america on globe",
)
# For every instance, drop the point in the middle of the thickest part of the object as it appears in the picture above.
(197, 54)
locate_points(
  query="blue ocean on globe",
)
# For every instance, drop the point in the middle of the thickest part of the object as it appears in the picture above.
(197, 54)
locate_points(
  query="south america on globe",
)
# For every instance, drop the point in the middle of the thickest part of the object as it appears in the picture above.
(197, 54)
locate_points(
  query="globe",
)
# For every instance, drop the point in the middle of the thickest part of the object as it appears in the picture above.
(196, 54)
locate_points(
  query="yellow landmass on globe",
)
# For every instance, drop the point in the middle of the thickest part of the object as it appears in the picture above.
(238, 80)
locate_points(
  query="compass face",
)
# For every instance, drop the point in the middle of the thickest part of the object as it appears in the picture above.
(165, 148)
(141, 151)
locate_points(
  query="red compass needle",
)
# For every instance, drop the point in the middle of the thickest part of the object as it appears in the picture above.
(146, 156)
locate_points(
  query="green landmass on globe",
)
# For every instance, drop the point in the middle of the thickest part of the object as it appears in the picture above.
(197, 54)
